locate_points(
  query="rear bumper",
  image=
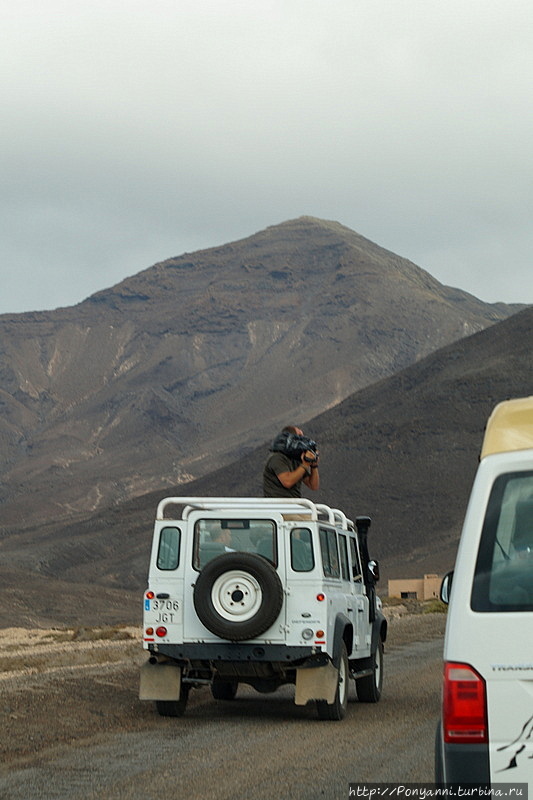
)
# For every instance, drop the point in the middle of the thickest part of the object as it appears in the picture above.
(239, 652)
(461, 763)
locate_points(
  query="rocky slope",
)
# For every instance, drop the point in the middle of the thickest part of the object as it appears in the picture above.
(196, 360)
(404, 451)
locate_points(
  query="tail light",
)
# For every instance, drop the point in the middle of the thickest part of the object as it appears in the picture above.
(464, 705)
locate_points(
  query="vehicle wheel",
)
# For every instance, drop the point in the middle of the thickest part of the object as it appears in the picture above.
(369, 688)
(238, 596)
(439, 768)
(224, 690)
(265, 686)
(173, 708)
(337, 710)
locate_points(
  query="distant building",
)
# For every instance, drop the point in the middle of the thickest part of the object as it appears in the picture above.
(425, 588)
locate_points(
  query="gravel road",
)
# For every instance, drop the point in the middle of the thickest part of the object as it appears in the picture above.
(74, 728)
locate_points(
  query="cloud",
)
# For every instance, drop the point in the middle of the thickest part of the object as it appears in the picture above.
(135, 131)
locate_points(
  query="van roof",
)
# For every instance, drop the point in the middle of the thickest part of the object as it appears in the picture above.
(509, 427)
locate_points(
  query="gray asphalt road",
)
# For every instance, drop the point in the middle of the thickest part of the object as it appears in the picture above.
(257, 747)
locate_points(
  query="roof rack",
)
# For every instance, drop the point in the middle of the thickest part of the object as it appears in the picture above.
(282, 505)
(336, 516)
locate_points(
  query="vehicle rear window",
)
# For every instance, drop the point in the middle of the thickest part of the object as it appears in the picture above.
(213, 537)
(503, 578)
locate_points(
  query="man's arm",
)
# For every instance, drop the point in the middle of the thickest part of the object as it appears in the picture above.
(303, 472)
(312, 481)
(294, 476)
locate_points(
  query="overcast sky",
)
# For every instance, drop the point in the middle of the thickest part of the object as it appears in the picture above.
(133, 132)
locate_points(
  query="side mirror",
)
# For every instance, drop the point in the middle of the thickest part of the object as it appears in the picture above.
(373, 569)
(446, 587)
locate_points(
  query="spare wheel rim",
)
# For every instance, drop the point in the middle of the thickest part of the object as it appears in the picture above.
(236, 596)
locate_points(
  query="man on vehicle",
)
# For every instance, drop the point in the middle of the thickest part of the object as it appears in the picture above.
(285, 471)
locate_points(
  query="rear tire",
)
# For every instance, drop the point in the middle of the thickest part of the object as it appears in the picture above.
(173, 708)
(224, 690)
(439, 768)
(369, 688)
(337, 710)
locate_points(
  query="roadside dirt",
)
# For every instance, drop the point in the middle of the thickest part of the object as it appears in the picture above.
(61, 686)
(65, 687)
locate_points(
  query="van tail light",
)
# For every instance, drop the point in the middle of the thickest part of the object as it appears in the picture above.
(464, 705)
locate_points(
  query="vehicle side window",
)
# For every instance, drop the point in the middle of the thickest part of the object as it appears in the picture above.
(168, 553)
(302, 556)
(503, 579)
(330, 554)
(343, 547)
(356, 561)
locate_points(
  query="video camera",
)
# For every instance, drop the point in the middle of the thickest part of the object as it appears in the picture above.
(293, 445)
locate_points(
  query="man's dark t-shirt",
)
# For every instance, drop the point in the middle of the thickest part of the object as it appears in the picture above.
(277, 463)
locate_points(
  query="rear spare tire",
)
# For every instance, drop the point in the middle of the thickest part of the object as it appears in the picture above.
(238, 596)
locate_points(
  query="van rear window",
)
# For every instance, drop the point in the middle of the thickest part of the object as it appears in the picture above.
(503, 578)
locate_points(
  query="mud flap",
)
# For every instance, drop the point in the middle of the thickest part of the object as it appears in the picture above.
(160, 682)
(316, 683)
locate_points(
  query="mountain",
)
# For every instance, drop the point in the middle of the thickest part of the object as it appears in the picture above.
(403, 450)
(195, 361)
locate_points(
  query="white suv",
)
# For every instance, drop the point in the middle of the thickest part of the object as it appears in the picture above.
(486, 732)
(261, 591)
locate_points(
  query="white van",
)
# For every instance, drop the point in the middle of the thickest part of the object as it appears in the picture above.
(485, 735)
